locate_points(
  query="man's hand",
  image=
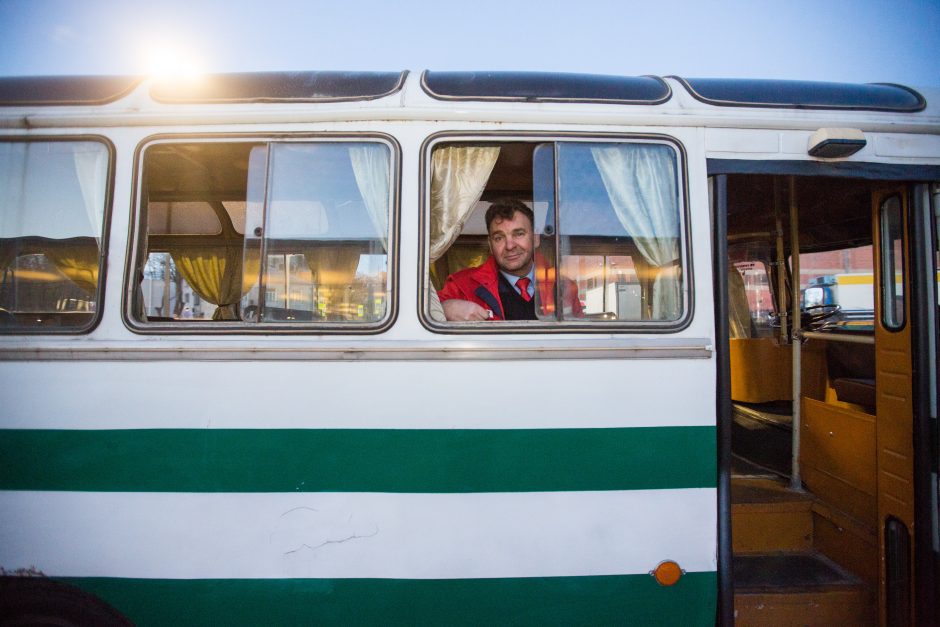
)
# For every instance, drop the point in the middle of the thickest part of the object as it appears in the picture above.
(456, 310)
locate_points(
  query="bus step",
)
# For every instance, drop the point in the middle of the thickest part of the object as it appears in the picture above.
(767, 516)
(798, 589)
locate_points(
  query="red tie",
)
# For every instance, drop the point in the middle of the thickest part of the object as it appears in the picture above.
(523, 285)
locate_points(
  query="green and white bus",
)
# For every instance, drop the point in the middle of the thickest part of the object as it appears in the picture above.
(229, 395)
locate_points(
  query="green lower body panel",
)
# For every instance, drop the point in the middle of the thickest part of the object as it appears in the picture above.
(358, 460)
(600, 600)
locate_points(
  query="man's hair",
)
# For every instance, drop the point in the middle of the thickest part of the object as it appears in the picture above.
(505, 209)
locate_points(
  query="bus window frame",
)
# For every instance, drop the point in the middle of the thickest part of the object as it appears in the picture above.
(136, 244)
(554, 326)
(104, 235)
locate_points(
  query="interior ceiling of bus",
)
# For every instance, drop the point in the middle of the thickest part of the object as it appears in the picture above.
(833, 213)
(512, 174)
(197, 171)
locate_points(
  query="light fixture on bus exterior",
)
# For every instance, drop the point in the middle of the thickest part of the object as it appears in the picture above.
(836, 143)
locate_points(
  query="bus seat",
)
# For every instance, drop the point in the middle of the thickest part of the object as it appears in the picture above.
(761, 370)
(857, 391)
(851, 370)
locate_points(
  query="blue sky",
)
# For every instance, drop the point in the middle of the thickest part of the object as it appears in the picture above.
(861, 41)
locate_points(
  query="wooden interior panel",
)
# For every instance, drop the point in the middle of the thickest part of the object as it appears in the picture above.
(823, 609)
(838, 458)
(813, 376)
(846, 542)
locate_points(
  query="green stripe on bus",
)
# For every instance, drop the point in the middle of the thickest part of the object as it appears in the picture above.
(358, 460)
(603, 600)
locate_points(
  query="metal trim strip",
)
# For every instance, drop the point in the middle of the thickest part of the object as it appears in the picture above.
(599, 349)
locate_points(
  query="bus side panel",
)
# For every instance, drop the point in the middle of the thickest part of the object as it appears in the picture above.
(413, 498)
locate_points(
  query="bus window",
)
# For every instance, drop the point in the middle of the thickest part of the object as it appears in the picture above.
(892, 260)
(607, 215)
(316, 213)
(837, 288)
(52, 208)
(752, 305)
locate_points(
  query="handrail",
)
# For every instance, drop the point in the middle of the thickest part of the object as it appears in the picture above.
(796, 482)
(839, 337)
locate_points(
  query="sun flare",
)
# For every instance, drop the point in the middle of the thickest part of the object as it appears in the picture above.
(172, 61)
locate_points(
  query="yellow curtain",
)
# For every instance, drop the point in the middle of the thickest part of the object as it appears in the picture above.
(214, 274)
(77, 261)
(456, 258)
(251, 268)
(333, 265)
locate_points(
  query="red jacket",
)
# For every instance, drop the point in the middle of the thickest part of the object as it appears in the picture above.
(480, 285)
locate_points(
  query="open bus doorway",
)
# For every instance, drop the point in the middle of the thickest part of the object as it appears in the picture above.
(823, 522)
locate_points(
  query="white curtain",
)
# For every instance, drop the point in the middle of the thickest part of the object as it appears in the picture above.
(91, 165)
(640, 180)
(458, 177)
(37, 183)
(370, 167)
(12, 188)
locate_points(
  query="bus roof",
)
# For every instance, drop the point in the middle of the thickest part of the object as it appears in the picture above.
(518, 97)
(513, 86)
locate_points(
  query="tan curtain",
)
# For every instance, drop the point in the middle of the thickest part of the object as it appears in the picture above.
(458, 178)
(78, 262)
(333, 265)
(214, 274)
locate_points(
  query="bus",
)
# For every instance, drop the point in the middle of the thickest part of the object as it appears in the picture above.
(234, 391)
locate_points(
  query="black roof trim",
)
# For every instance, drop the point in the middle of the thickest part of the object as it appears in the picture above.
(545, 87)
(737, 92)
(840, 169)
(19, 91)
(279, 87)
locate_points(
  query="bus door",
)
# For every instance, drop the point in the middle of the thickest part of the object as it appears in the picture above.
(905, 269)
(894, 408)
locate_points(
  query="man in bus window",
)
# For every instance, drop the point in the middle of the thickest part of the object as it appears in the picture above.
(504, 287)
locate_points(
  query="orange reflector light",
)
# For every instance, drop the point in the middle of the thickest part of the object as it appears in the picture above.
(667, 573)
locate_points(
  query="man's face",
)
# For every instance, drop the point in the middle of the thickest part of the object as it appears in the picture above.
(512, 243)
